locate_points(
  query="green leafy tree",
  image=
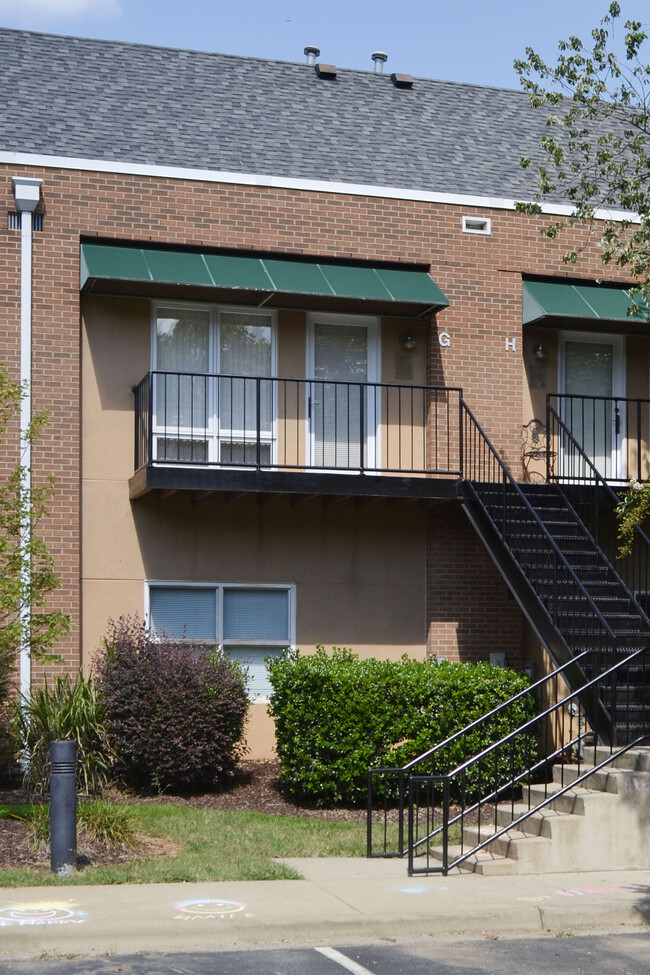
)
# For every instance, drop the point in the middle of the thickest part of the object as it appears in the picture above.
(27, 574)
(597, 158)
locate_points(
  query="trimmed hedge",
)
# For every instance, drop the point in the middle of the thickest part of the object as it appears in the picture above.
(337, 716)
(174, 713)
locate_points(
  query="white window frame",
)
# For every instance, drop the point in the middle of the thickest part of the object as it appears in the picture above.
(373, 410)
(219, 588)
(213, 432)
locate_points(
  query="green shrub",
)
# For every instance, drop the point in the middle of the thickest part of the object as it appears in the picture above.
(175, 713)
(337, 716)
(67, 710)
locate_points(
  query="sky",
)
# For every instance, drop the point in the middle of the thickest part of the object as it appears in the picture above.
(454, 40)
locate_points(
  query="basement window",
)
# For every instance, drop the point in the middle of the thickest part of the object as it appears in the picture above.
(477, 225)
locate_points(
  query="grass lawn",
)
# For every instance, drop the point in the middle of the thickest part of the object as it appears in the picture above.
(200, 844)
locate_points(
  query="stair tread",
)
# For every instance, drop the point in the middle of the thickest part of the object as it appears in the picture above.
(482, 862)
(509, 835)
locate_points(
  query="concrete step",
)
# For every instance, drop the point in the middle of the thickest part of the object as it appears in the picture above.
(635, 760)
(515, 844)
(485, 863)
(572, 801)
(609, 779)
(536, 824)
(566, 774)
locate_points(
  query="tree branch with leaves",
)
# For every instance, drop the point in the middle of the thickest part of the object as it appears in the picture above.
(27, 575)
(597, 101)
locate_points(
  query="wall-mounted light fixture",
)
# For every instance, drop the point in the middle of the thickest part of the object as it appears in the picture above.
(540, 352)
(407, 341)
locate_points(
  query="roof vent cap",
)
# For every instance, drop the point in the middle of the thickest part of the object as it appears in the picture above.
(402, 80)
(379, 57)
(312, 53)
(326, 70)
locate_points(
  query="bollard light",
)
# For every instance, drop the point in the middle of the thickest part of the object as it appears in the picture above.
(63, 807)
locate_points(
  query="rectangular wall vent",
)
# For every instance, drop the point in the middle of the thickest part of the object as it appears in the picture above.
(14, 221)
(477, 225)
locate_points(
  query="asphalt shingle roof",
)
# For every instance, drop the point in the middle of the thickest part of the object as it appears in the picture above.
(132, 103)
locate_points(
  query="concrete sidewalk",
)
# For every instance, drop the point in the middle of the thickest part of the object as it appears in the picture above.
(339, 901)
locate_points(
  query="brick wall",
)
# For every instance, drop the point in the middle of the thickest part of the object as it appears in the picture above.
(470, 610)
(480, 275)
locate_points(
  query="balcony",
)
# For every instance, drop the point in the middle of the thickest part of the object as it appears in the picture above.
(610, 434)
(207, 432)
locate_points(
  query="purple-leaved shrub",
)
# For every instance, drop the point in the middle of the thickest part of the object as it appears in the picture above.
(174, 712)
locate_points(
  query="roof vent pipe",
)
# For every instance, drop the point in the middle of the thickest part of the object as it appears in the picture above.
(379, 57)
(312, 53)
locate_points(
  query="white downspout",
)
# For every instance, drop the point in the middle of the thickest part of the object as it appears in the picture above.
(27, 193)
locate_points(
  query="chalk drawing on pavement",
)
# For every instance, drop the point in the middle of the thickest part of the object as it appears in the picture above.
(202, 909)
(41, 913)
(410, 890)
(582, 891)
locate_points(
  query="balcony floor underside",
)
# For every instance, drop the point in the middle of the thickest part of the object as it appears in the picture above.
(169, 479)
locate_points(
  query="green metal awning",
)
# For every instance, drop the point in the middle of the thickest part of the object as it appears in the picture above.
(545, 300)
(265, 280)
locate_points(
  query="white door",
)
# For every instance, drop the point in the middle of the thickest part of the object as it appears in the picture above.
(591, 377)
(343, 398)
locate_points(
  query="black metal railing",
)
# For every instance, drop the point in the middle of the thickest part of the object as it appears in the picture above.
(454, 813)
(613, 432)
(530, 544)
(593, 499)
(297, 424)
(422, 808)
(388, 787)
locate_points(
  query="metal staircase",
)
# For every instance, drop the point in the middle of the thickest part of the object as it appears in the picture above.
(567, 585)
(554, 544)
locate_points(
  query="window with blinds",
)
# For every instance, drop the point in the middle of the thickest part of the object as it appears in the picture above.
(251, 623)
(255, 614)
(184, 613)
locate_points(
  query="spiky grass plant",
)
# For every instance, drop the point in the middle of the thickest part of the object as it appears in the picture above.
(66, 710)
(97, 821)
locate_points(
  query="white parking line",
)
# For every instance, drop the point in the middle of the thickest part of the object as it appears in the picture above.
(343, 961)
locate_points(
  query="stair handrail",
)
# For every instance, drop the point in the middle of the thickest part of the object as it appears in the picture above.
(535, 517)
(598, 477)
(503, 787)
(531, 689)
(600, 482)
(402, 772)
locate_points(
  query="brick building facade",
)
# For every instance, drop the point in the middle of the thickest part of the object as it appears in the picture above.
(357, 552)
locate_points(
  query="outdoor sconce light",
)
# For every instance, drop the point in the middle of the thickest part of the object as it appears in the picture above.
(540, 352)
(407, 341)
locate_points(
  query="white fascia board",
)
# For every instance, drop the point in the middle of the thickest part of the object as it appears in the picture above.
(288, 183)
